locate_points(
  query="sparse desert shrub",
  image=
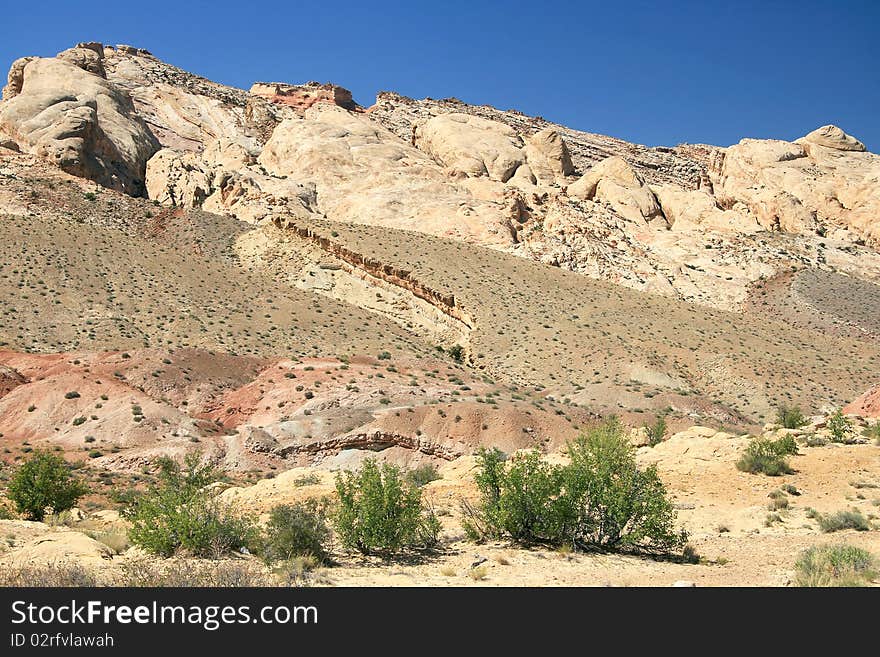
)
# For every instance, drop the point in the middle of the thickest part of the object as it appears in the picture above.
(423, 474)
(73, 394)
(380, 512)
(874, 432)
(145, 572)
(179, 514)
(600, 500)
(296, 530)
(835, 565)
(843, 520)
(457, 352)
(479, 573)
(44, 481)
(778, 500)
(307, 480)
(6, 513)
(768, 456)
(790, 417)
(384, 355)
(60, 574)
(657, 431)
(840, 427)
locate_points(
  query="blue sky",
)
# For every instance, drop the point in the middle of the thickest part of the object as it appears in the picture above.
(651, 72)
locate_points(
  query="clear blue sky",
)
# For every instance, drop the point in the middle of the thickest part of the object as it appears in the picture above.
(650, 72)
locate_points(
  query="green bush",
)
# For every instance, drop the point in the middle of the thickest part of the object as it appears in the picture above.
(296, 530)
(423, 474)
(843, 520)
(790, 417)
(768, 456)
(600, 500)
(835, 565)
(657, 431)
(180, 515)
(457, 352)
(380, 512)
(840, 427)
(44, 480)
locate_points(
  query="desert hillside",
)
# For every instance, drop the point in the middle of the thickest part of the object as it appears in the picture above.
(289, 283)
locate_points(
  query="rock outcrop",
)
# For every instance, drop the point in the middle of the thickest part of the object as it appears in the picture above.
(613, 181)
(225, 178)
(300, 97)
(697, 222)
(78, 120)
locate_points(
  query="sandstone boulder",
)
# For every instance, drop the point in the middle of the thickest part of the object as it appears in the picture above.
(696, 210)
(471, 146)
(830, 136)
(59, 547)
(81, 122)
(615, 182)
(548, 156)
(87, 56)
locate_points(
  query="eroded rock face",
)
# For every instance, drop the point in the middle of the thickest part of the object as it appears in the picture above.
(9, 380)
(830, 136)
(365, 174)
(616, 183)
(470, 146)
(823, 183)
(81, 122)
(300, 97)
(225, 179)
(549, 157)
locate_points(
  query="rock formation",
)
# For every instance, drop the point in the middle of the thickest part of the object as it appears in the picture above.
(75, 118)
(648, 218)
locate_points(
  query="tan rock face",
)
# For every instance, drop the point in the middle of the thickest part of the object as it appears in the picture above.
(81, 122)
(830, 136)
(470, 146)
(15, 78)
(548, 156)
(616, 183)
(224, 179)
(87, 56)
(824, 182)
(365, 174)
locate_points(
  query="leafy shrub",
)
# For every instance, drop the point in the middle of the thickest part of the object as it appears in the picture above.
(843, 520)
(835, 565)
(600, 500)
(296, 530)
(768, 456)
(790, 417)
(657, 431)
(73, 394)
(179, 514)
(380, 512)
(840, 427)
(44, 480)
(457, 352)
(423, 474)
